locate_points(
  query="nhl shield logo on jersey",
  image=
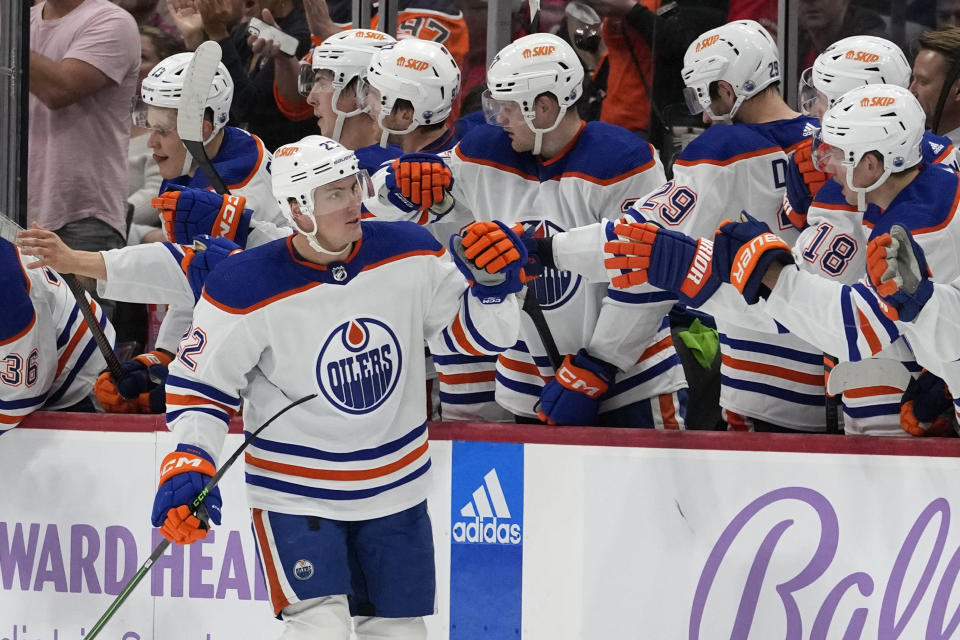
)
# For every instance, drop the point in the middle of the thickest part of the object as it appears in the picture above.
(554, 288)
(359, 365)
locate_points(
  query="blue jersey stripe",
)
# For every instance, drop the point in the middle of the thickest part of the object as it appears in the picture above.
(771, 350)
(22, 403)
(647, 374)
(332, 494)
(216, 413)
(773, 391)
(849, 326)
(461, 359)
(472, 330)
(519, 387)
(886, 323)
(335, 456)
(467, 398)
(872, 411)
(64, 336)
(640, 298)
(203, 389)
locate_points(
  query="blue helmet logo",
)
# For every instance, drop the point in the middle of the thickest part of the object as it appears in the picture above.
(359, 365)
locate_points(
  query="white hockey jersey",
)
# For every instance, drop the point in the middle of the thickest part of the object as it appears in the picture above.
(846, 319)
(600, 174)
(727, 169)
(271, 328)
(48, 357)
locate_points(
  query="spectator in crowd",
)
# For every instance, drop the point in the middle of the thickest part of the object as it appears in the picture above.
(935, 81)
(254, 107)
(148, 13)
(948, 13)
(84, 58)
(143, 173)
(823, 22)
(643, 36)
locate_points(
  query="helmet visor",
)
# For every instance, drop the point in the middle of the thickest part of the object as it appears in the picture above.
(498, 112)
(310, 79)
(162, 120)
(812, 102)
(825, 157)
(692, 98)
(369, 98)
(341, 194)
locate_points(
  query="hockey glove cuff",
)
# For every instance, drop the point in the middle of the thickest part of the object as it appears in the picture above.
(573, 396)
(926, 408)
(189, 213)
(183, 475)
(743, 251)
(491, 257)
(200, 259)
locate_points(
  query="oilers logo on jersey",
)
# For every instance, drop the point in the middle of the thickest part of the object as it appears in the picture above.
(359, 365)
(554, 288)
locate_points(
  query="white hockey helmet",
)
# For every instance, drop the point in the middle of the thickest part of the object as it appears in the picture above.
(163, 87)
(528, 67)
(421, 72)
(301, 168)
(347, 55)
(847, 64)
(741, 53)
(883, 118)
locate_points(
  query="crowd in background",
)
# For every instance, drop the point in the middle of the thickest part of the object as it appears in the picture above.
(96, 195)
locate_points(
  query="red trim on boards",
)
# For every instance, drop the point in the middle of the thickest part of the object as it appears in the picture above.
(582, 436)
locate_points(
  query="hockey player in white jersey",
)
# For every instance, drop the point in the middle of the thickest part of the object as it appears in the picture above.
(337, 486)
(48, 357)
(874, 133)
(769, 380)
(847, 64)
(540, 165)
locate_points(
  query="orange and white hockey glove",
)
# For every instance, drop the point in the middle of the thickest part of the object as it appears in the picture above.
(418, 182)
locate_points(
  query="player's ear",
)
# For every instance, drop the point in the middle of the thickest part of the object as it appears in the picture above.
(207, 129)
(546, 104)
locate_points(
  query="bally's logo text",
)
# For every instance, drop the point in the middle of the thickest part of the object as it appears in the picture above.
(359, 365)
(486, 540)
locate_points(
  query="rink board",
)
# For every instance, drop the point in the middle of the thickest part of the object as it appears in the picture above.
(541, 533)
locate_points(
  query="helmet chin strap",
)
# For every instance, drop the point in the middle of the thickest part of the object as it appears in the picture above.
(538, 133)
(341, 115)
(311, 237)
(863, 191)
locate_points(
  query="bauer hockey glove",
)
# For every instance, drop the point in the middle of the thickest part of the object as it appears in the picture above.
(188, 213)
(926, 408)
(141, 388)
(200, 259)
(666, 259)
(898, 272)
(418, 182)
(804, 180)
(743, 251)
(491, 257)
(573, 396)
(183, 475)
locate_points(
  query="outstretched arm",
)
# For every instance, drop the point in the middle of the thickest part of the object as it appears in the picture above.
(52, 252)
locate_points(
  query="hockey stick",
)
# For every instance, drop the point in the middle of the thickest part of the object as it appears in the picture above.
(8, 231)
(197, 80)
(531, 305)
(832, 402)
(872, 372)
(196, 508)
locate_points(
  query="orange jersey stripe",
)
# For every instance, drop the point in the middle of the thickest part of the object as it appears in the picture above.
(10, 419)
(772, 370)
(339, 474)
(460, 336)
(668, 411)
(277, 598)
(867, 392)
(868, 333)
(466, 378)
(656, 348)
(522, 367)
(74, 341)
(737, 158)
(180, 400)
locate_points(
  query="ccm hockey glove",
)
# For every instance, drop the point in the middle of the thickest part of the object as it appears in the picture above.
(743, 251)
(926, 408)
(418, 182)
(898, 272)
(183, 475)
(198, 261)
(491, 257)
(573, 396)
(141, 388)
(666, 259)
(188, 213)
